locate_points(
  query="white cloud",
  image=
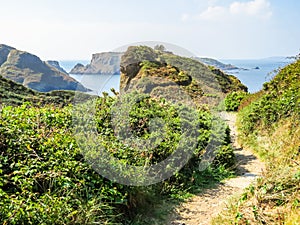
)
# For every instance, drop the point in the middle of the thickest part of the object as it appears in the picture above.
(259, 8)
(212, 13)
(256, 8)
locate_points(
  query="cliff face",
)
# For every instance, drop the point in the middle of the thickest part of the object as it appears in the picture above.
(157, 72)
(101, 63)
(32, 72)
(56, 65)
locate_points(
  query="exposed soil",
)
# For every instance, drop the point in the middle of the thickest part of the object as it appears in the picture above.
(200, 209)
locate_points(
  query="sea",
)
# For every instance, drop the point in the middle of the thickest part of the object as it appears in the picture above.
(253, 73)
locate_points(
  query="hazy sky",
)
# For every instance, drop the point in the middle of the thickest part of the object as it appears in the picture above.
(75, 29)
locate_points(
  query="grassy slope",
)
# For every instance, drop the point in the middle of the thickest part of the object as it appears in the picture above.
(207, 75)
(12, 93)
(269, 124)
(211, 80)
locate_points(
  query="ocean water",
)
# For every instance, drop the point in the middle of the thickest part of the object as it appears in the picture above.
(251, 77)
(99, 83)
(255, 78)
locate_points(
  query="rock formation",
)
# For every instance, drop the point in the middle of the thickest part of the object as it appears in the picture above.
(32, 72)
(56, 65)
(101, 63)
(162, 74)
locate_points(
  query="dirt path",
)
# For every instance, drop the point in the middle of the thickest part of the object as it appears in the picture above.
(200, 209)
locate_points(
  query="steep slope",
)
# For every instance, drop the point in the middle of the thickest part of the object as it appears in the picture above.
(56, 65)
(29, 70)
(101, 63)
(269, 124)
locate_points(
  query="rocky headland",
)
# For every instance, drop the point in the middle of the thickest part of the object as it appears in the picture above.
(101, 63)
(30, 71)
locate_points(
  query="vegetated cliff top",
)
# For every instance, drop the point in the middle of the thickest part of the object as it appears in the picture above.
(200, 82)
(101, 63)
(32, 72)
(12, 93)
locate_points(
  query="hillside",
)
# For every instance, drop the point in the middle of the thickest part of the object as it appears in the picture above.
(52, 170)
(268, 124)
(32, 72)
(101, 63)
(157, 72)
(14, 94)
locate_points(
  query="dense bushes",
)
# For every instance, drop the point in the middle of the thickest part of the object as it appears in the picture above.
(233, 100)
(279, 99)
(44, 178)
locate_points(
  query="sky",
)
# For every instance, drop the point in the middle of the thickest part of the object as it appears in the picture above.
(222, 29)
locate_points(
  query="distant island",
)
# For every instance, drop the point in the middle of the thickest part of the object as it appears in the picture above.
(217, 64)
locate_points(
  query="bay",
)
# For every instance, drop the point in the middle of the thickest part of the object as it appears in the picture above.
(99, 83)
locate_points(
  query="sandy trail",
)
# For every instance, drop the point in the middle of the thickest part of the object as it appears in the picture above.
(200, 209)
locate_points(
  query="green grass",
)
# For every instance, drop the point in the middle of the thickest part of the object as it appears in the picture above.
(268, 124)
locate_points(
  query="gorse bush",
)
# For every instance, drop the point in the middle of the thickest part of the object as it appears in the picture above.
(233, 100)
(44, 178)
(143, 131)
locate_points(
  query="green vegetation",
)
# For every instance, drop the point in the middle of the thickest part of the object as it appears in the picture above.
(12, 93)
(47, 171)
(211, 79)
(233, 100)
(45, 179)
(268, 124)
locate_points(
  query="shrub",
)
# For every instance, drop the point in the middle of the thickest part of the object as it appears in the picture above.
(44, 179)
(233, 100)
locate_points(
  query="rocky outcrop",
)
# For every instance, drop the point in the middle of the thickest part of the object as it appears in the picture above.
(101, 63)
(144, 69)
(32, 72)
(56, 65)
(4, 52)
(174, 77)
